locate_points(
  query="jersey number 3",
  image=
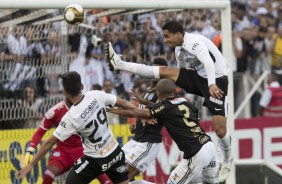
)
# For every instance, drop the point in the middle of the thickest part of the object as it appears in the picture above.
(101, 119)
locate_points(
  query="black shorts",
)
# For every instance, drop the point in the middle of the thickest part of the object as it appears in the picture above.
(193, 83)
(88, 168)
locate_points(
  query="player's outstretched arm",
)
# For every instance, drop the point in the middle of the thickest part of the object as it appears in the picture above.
(124, 104)
(46, 146)
(140, 99)
(36, 138)
(136, 112)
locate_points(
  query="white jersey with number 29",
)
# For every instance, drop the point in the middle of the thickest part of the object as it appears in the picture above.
(88, 118)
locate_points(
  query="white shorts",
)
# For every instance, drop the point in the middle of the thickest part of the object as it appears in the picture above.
(203, 167)
(140, 154)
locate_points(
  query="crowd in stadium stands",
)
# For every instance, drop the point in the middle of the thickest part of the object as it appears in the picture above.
(31, 56)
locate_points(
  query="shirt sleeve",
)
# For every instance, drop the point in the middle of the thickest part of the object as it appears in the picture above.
(201, 52)
(265, 98)
(49, 119)
(65, 129)
(109, 99)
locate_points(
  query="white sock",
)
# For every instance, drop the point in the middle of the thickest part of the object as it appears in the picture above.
(152, 72)
(225, 144)
(140, 182)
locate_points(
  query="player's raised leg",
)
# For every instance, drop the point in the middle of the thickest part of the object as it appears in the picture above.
(154, 72)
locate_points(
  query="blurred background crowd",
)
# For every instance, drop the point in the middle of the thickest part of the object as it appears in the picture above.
(33, 56)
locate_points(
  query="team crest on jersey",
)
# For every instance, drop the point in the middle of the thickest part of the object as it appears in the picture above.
(56, 153)
(178, 100)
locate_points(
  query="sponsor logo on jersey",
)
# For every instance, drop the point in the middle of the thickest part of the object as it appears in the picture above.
(159, 109)
(106, 145)
(203, 139)
(91, 108)
(178, 100)
(214, 100)
(212, 164)
(112, 162)
(194, 62)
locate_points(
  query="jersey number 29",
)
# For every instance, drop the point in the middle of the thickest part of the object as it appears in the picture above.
(100, 120)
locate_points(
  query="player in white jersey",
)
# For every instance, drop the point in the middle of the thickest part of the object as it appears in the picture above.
(206, 77)
(87, 117)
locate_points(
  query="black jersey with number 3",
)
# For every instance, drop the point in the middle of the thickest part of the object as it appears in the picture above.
(180, 118)
(148, 133)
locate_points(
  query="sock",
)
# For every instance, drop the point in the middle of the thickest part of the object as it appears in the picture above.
(104, 179)
(152, 72)
(140, 182)
(225, 144)
(48, 177)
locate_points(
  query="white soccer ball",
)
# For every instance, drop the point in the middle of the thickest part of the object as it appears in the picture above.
(74, 14)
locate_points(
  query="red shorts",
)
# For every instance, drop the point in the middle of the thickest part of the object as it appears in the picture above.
(64, 160)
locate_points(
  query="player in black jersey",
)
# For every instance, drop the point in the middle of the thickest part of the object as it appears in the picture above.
(145, 146)
(180, 118)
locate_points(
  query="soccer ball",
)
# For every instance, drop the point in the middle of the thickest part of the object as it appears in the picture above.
(74, 14)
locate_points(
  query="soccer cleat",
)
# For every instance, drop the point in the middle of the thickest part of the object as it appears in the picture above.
(112, 57)
(225, 170)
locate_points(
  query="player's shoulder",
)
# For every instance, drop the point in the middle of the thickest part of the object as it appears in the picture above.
(190, 39)
(56, 109)
(95, 93)
(161, 106)
(175, 101)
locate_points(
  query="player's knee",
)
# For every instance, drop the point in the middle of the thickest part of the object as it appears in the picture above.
(219, 125)
(220, 132)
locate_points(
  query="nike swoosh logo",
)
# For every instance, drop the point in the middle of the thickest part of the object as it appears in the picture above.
(217, 109)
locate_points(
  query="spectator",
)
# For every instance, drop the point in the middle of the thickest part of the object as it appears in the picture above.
(277, 50)
(30, 105)
(96, 87)
(271, 100)
(93, 69)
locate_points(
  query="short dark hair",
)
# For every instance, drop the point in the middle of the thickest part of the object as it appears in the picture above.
(166, 87)
(160, 61)
(96, 87)
(72, 83)
(173, 27)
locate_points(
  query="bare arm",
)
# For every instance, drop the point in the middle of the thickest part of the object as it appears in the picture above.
(144, 113)
(261, 108)
(140, 99)
(124, 104)
(46, 146)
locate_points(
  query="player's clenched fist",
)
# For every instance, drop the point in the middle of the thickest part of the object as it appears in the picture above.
(27, 157)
